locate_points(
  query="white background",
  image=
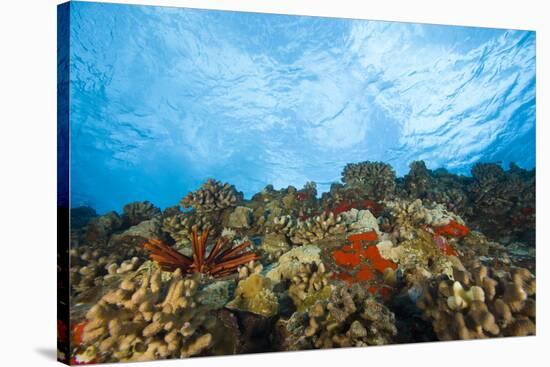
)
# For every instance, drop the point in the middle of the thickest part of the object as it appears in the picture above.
(28, 182)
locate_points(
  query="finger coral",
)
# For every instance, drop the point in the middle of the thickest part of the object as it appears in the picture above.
(148, 318)
(309, 284)
(351, 317)
(317, 228)
(481, 304)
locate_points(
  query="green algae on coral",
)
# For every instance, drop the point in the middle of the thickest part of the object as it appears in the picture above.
(254, 294)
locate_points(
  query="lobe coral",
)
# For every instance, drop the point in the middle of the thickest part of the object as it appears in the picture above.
(221, 261)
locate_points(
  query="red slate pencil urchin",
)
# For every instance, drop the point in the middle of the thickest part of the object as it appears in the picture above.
(222, 259)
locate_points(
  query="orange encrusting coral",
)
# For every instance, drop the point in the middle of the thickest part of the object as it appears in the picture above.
(219, 262)
(366, 236)
(452, 229)
(444, 246)
(76, 332)
(351, 256)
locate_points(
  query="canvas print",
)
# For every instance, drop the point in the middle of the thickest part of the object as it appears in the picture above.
(233, 183)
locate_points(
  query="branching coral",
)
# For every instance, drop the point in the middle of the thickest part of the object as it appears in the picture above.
(350, 317)
(222, 260)
(409, 215)
(212, 196)
(91, 265)
(309, 284)
(419, 181)
(139, 211)
(283, 224)
(376, 178)
(481, 304)
(180, 227)
(148, 319)
(317, 228)
(502, 198)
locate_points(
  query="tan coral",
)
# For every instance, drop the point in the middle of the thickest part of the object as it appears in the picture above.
(317, 228)
(481, 304)
(148, 318)
(212, 196)
(411, 214)
(309, 284)
(254, 294)
(351, 317)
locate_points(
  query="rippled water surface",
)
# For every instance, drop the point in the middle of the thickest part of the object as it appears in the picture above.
(163, 98)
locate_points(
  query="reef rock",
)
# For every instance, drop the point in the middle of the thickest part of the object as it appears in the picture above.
(217, 294)
(100, 228)
(138, 234)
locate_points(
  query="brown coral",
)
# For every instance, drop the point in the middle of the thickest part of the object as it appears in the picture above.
(481, 304)
(377, 179)
(140, 211)
(350, 317)
(212, 196)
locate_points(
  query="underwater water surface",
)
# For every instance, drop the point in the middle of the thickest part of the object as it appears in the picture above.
(163, 98)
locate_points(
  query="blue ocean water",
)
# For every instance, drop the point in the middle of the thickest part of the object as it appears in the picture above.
(163, 98)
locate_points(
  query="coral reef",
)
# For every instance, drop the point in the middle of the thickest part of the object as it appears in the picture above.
(254, 294)
(317, 228)
(377, 179)
(291, 262)
(361, 261)
(350, 317)
(481, 303)
(146, 319)
(99, 229)
(502, 199)
(212, 196)
(180, 227)
(241, 217)
(81, 216)
(138, 212)
(309, 284)
(375, 260)
(138, 234)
